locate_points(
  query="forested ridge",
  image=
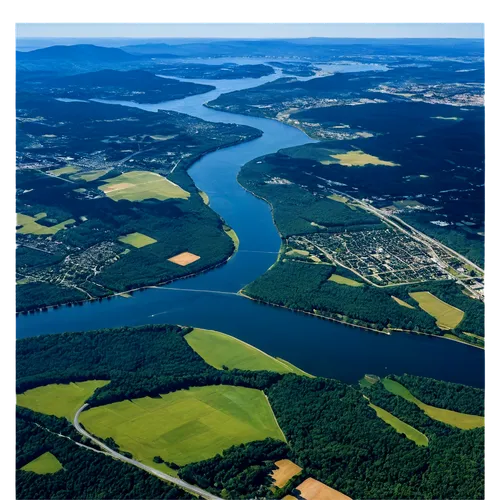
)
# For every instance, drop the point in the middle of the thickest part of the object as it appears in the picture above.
(331, 431)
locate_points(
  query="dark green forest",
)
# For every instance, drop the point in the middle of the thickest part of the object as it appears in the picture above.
(331, 431)
(369, 459)
(133, 85)
(240, 471)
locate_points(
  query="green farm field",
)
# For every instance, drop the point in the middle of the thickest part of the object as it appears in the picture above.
(44, 464)
(141, 185)
(89, 176)
(342, 280)
(403, 428)
(185, 426)
(219, 349)
(447, 317)
(61, 400)
(137, 240)
(64, 170)
(454, 418)
(29, 225)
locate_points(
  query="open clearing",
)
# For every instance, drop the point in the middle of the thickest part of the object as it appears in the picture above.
(311, 489)
(294, 252)
(137, 240)
(184, 258)
(360, 159)
(44, 464)
(89, 176)
(285, 471)
(29, 225)
(454, 418)
(341, 280)
(447, 317)
(219, 349)
(185, 426)
(64, 170)
(232, 234)
(61, 400)
(338, 197)
(141, 185)
(402, 302)
(403, 428)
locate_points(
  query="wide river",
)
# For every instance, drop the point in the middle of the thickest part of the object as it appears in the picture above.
(209, 300)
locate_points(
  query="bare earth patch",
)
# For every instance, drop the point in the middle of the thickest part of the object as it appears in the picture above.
(184, 258)
(286, 470)
(311, 489)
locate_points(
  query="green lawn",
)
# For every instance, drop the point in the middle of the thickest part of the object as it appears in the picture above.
(141, 185)
(61, 400)
(400, 426)
(137, 240)
(185, 426)
(454, 418)
(44, 464)
(219, 349)
(341, 280)
(447, 317)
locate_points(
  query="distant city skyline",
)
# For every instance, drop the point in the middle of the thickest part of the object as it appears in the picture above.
(244, 30)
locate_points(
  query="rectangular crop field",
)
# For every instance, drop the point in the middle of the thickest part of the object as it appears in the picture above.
(61, 400)
(219, 349)
(184, 258)
(311, 489)
(447, 316)
(137, 240)
(141, 185)
(185, 426)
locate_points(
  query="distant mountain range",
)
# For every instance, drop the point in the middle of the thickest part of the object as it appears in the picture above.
(77, 53)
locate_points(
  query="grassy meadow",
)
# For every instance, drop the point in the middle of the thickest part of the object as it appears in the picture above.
(44, 464)
(342, 280)
(447, 317)
(29, 225)
(137, 240)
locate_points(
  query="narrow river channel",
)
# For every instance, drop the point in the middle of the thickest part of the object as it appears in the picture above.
(209, 300)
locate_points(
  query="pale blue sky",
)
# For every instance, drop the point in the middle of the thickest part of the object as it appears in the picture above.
(269, 30)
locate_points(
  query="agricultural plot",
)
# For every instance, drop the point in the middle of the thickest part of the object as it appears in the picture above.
(360, 159)
(44, 464)
(341, 280)
(64, 170)
(185, 426)
(311, 489)
(447, 316)
(184, 258)
(219, 349)
(61, 400)
(401, 427)
(89, 176)
(29, 225)
(137, 240)
(142, 185)
(454, 418)
(285, 471)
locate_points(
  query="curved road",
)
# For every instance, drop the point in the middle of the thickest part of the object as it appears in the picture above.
(162, 475)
